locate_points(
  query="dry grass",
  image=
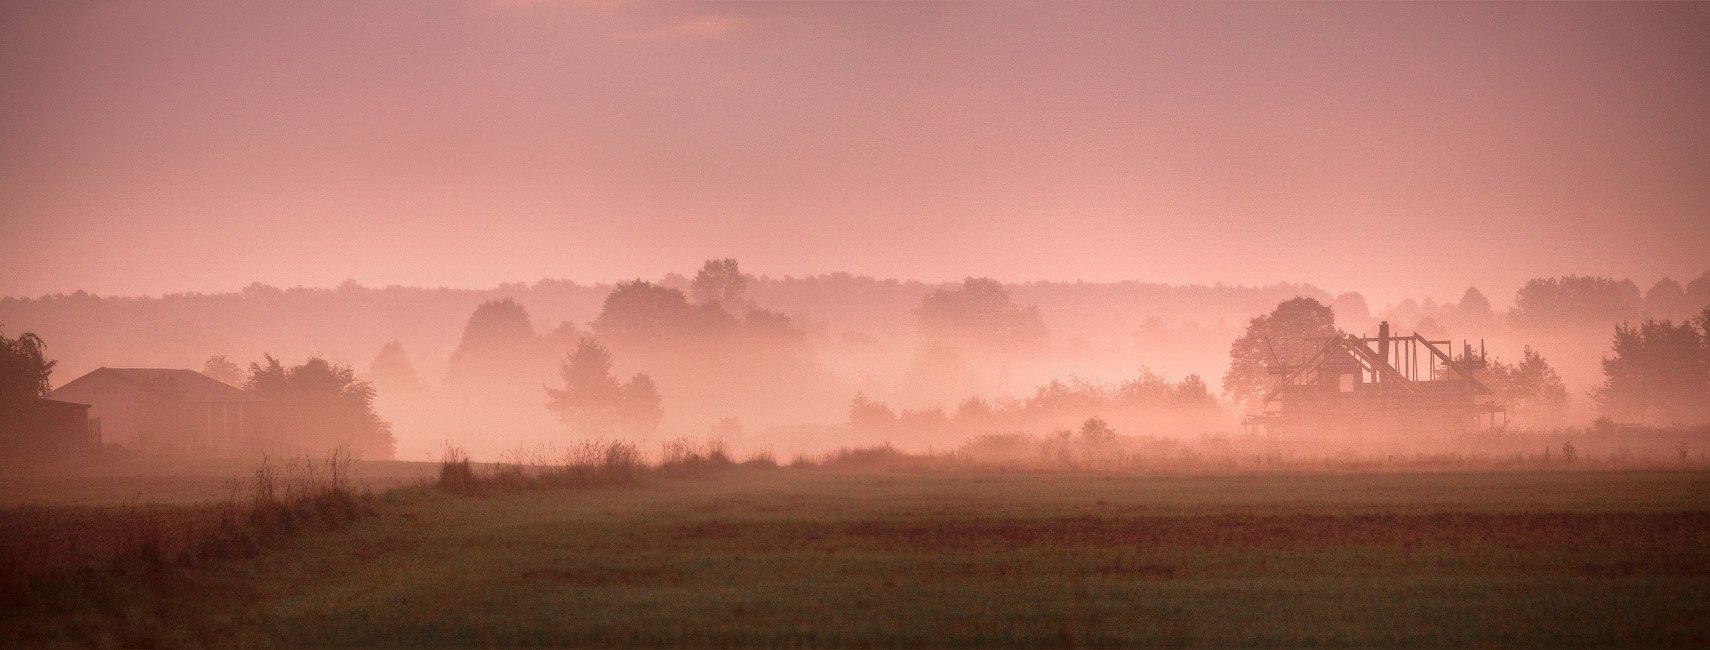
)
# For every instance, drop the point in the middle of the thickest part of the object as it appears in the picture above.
(835, 558)
(46, 544)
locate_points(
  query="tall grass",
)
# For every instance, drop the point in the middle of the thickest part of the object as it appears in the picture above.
(588, 463)
(277, 499)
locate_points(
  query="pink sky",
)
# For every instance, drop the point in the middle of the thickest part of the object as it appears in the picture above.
(1397, 149)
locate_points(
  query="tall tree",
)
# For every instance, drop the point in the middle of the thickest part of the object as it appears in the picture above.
(393, 370)
(499, 347)
(1530, 389)
(1474, 307)
(720, 281)
(640, 312)
(317, 406)
(25, 370)
(224, 369)
(1659, 372)
(1282, 334)
(592, 400)
(1576, 300)
(588, 400)
(1666, 299)
(640, 408)
(979, 315)
(868, 415)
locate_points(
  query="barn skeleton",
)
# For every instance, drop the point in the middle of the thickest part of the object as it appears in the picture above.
(1379, 383)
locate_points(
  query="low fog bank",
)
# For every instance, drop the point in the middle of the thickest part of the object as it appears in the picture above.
(806, 366)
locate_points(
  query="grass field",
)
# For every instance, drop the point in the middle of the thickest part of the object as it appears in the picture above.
(815, 557)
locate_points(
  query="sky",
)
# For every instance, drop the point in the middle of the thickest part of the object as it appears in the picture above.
(1397, 149)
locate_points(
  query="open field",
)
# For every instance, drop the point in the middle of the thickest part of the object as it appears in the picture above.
(116, 478)
(751, 556)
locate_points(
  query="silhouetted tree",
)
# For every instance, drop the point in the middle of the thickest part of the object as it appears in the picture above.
(1698, 292)
(923, 420)
(1474, 307)
(720, 281)
(868, 415)
(1575, 300)
(1428, 327)
(593, 402)
(1281, 334)
(642, 312)
(499, 346)
(1192, 395)
(393, 370)
(318, 406)
(1659, 373)
(1530, 389)
(1351, 308)
(979, 314)
(589, 399)
(973, 413)
(25, 370)
(1097, 431)
(224, 369)
(1666, 299)
(640, 407)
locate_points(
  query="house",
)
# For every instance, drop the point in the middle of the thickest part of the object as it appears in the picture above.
(38, 427)
(165, 409)
(1377, 384)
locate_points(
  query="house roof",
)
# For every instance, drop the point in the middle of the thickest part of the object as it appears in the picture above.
(195, 386)
(43, 402)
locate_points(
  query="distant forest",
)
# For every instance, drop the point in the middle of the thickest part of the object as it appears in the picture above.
(763, 360)
(351, 323)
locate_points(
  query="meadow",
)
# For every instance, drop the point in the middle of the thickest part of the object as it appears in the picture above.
(754, 555)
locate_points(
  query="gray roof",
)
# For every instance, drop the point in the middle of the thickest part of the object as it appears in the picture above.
(195, 386)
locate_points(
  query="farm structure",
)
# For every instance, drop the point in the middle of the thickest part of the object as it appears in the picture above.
(1379, 384)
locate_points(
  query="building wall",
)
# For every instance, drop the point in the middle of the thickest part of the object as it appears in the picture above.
(218, 428)
(114, 401)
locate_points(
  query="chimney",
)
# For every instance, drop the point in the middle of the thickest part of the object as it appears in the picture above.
(1382, 347)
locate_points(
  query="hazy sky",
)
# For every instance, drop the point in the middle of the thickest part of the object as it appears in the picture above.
(1399, 149)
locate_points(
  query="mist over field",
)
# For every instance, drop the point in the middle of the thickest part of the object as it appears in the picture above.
(774, 364)
(649, 323)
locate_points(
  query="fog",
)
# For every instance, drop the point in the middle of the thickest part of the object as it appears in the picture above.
(801, 366)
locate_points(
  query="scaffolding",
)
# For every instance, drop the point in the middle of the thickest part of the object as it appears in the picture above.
(1379, 383)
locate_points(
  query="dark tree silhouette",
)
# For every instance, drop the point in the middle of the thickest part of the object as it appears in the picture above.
(1283, 334)
(590, 395)
(1351, 308)
(720, 281)
(1575, 300)
(499, 346)
(640, 408)
(318, 406)
(592, 401)
(25, 370)
(392, 369)
(25, 373)
(868, 415)
(1698, 291)
(979, 314)
(1097, 431)
(1530, 389)
(1474, 307)
(642, 312)
(1659, 372)
(224, 369)
(1666, 299)
(1192, 395)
